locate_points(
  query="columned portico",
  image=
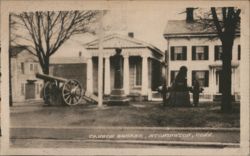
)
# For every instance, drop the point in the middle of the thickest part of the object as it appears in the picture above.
(126, 76)
(144, 90)
(107, 85)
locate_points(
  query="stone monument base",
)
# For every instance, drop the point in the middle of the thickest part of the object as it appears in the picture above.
(117, 97)
(179, 99)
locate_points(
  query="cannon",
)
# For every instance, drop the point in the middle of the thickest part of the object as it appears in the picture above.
(58, 90)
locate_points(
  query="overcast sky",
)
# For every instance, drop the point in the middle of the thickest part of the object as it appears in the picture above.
(147, 25)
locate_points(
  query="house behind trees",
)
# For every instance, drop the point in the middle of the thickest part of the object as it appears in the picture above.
(199, 49)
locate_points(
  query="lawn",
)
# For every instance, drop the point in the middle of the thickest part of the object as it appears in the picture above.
(148, 114)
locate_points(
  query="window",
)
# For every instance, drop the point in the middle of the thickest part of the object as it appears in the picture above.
(138, 73)
(239, 52)
(199, 52)
(37, 89)
(31, 67)
(22, 89)
(202, 77)
(217, 52)
(179, 53)
(173, 75)
(22, 67)
(36, 67)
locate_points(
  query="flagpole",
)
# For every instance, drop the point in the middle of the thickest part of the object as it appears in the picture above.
(100, 64)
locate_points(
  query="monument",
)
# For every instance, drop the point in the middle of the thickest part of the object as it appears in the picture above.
(179, 91)
(117, 96)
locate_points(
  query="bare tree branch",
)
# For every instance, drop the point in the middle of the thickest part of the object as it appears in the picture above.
(49, 30)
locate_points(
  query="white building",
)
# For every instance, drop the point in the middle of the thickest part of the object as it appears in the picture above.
(199, 50)
(24, 66)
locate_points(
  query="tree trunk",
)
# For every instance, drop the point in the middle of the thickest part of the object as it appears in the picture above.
(226, 103)
(45, 67)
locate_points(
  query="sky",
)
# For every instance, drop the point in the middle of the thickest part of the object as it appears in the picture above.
(147, 24)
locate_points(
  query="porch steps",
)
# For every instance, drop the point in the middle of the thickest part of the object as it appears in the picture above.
(156, 96)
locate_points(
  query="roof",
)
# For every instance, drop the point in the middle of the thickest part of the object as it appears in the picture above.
(15, 50)
(121, 41)
(181, 27)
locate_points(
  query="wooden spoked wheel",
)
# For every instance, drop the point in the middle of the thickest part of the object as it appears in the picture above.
(72, 92)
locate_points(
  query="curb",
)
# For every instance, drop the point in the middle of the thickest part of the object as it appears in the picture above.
(140, 134)
(137, 128)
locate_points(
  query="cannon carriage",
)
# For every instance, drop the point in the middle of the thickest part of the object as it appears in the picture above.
(58, 90)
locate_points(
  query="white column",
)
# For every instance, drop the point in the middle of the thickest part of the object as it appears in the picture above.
(107, 85)
(144, 88)
(126, 74)
(90, 75)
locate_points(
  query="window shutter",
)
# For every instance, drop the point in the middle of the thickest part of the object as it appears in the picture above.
(239, 52)
(193, 52)
(172, 76)
(184, 52)
(172, 53)
(206, 78)
(216, 53)
(206, 52)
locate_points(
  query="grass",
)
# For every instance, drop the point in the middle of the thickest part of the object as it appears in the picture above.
(146, 114)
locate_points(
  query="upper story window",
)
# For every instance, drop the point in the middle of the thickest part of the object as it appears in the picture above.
(199, 52)
(217, 52)
(179, 53)
(22, 68)
(31, 67)
(201, 76)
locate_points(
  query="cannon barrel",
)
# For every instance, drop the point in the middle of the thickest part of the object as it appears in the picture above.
(50, 78)
(70, 91)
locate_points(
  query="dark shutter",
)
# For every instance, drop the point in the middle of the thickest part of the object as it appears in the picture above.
(206, 52)
(193, 52)
(216, 53)
(172, 53)
(239, 52)
(184, 52)
(206, 78)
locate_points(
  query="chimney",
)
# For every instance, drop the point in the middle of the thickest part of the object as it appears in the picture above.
(131, 34)
(190, 14)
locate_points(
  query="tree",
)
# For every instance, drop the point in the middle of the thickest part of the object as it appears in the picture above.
(225, 22)
(48, 30)
(226, 30)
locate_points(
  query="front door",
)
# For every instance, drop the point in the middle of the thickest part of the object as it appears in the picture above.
(30, 91)
(218, 81)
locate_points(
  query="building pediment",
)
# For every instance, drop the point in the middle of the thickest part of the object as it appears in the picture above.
(119, 41)
(115, 41)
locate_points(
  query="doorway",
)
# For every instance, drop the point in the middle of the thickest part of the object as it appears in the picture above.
(30, 90)
(218, 81)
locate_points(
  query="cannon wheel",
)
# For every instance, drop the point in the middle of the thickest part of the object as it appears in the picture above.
(72, 92)
(48, 91)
